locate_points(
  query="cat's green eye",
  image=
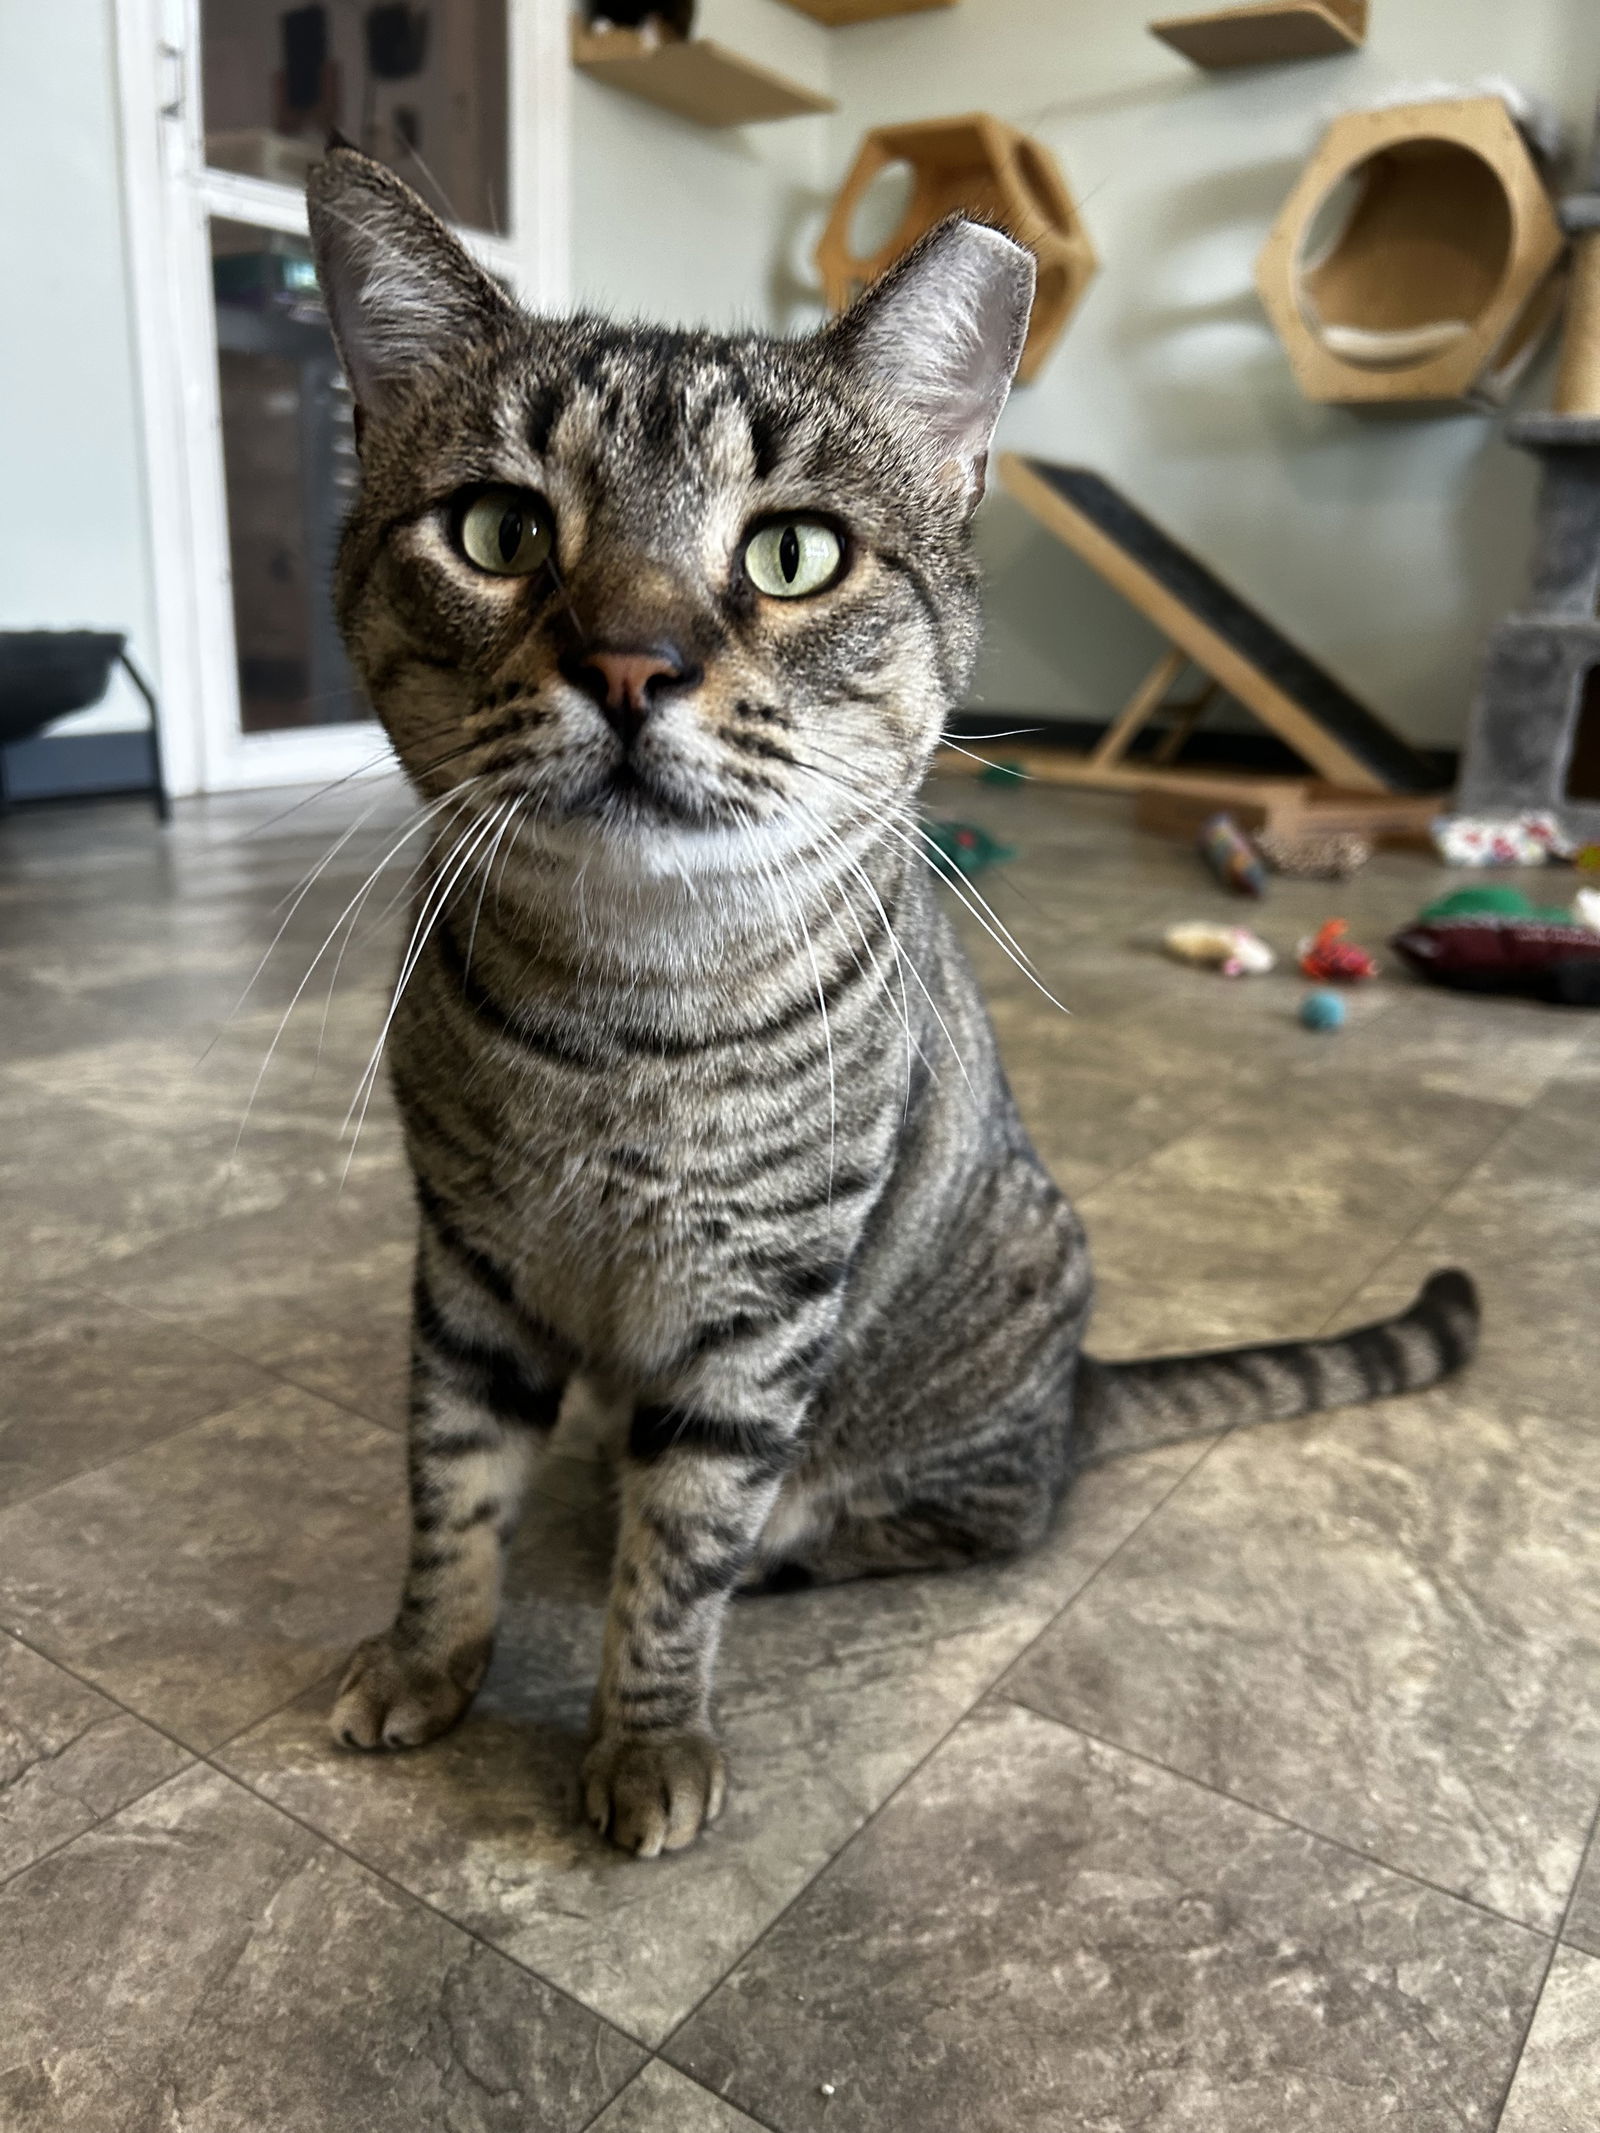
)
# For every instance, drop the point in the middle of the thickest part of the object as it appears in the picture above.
(793, 556)
(506, 531)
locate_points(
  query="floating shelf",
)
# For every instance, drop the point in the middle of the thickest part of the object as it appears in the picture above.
(837, 14)
(698, 80)
(1261, 36)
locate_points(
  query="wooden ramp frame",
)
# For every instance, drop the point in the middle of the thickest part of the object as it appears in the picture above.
(1365, 772)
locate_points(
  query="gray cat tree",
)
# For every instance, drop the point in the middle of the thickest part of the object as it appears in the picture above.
(1534, 736)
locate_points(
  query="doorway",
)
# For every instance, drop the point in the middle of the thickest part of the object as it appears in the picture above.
(249, 453)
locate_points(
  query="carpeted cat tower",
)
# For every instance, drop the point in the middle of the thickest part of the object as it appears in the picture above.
(1534, 737)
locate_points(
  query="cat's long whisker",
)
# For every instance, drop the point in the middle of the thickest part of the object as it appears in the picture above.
(338, 962)
(827, 1032)
(434, 901)
(439, 762)
(912, 818)
(306, 885)
(508, 815)
(905, 1005)
(259, 829)
(942, 870)
(424, 912)
(1026, 777)
(294, 1002)
(907, 963)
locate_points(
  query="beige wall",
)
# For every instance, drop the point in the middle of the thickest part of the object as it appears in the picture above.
(1386, 546)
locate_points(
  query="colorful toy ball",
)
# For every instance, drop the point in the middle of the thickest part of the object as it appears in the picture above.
(1332, 959)
(1322, 1011)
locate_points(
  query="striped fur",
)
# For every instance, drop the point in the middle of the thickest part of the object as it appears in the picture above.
(703, 1105)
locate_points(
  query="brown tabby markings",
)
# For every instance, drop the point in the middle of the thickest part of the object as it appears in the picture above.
(702, 1103)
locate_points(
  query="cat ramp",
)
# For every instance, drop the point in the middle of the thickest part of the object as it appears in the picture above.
(1366, 775)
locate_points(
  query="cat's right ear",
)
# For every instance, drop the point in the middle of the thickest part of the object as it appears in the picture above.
(401, 291)
(942, 334)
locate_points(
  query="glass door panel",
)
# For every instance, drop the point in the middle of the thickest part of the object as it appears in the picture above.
(289, 467)
(423, 88)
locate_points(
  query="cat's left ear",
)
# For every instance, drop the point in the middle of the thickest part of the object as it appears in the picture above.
(942, 333)
(401, 291)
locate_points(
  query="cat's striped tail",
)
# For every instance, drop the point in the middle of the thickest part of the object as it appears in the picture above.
(1135, 1406)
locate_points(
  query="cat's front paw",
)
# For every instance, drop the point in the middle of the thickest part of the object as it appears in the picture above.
(653, 1792)
(392, 1697)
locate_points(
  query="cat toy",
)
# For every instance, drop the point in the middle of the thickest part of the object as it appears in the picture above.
(1231, 857)
(1322, 1011)
(1313, 855)
(967, 848)
(1234, 950)
(1330, 958)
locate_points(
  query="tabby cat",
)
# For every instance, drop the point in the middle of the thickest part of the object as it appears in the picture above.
(701, 1099)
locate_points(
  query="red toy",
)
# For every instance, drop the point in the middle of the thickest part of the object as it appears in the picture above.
(1331, 959)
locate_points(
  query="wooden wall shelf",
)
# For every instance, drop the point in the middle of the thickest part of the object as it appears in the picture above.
(1266, 35)
(698, 80)
(838, 14)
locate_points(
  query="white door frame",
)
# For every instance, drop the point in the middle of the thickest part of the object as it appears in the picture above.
(169, 198)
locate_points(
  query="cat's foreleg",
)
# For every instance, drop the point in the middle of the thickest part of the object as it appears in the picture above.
(486, 1386)
(699, 1478)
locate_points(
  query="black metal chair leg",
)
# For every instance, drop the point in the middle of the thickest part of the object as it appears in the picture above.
(158, 784)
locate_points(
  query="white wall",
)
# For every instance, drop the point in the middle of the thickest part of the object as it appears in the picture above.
(687, 225)
(1386, 546)
(72, 524)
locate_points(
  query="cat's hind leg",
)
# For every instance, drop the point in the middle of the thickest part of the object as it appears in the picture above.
(485, 1390)
(930, 1529)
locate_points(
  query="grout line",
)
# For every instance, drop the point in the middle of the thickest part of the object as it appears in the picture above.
(927, 1756)
(151, 1444)
(1559, 1943)
(409, 1895)
(655, 2059)
(1284, 1821)
(237, 1355)
(1484, 1155)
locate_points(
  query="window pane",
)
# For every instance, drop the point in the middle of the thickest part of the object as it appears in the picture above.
(421, 87)
(289, 458)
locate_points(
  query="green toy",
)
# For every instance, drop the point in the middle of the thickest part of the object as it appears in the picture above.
(1491, 902)
(967, 848)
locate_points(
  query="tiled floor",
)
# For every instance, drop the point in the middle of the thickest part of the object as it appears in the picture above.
(1259, 1797)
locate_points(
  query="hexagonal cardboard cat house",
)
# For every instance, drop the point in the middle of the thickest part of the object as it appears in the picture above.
(1416, 258)
(975, 165)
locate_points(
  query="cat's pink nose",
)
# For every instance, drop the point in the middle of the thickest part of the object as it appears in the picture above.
(627, 686)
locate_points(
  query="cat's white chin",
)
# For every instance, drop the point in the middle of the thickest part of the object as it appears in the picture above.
(636, 850)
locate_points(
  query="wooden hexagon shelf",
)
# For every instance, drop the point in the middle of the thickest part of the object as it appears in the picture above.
(974, 165)
(1416, 259)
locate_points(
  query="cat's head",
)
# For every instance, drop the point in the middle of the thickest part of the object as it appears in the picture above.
(701, 599)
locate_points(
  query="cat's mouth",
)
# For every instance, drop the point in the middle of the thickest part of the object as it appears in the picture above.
(629, 795)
